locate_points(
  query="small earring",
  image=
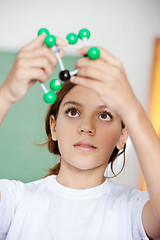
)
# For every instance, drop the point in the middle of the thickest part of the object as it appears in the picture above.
(60, 158)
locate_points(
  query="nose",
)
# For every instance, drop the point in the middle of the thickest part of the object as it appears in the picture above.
(87, 127)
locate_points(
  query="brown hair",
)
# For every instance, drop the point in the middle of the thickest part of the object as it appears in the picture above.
(53, 145)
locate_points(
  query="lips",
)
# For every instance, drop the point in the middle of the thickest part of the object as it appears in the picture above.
(84, 145)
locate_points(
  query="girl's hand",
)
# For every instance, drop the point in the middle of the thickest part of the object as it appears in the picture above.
(33, 62)
(106, 76)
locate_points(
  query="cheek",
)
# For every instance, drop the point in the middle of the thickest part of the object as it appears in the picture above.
(109, 138)
(64, 134)
(64, 129)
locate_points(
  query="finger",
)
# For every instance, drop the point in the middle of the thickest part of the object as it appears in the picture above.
(39, 52)
(61, 53)
(92, 73)
(104, 54)
(38, 62)
(61, 42)
(89, 83)
(31, 84)
(98, 63)
(38, 42)
(35, 74)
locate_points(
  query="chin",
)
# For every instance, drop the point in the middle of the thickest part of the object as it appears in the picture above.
(85, 166)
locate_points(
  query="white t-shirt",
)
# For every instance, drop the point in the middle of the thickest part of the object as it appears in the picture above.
(45, 210)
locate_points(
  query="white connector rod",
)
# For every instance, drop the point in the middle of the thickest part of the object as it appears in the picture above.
(44, 88)
(56, 51)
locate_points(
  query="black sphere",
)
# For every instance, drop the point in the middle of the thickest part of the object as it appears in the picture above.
(64, 75)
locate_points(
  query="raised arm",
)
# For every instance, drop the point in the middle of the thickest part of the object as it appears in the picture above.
(106, 76)
(33, 62)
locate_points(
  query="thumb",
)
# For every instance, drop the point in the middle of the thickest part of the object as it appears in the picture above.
(37, 42)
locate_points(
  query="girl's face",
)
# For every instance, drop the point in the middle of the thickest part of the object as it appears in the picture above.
(86, 130)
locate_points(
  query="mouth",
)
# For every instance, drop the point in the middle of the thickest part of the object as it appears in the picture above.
(84, 146)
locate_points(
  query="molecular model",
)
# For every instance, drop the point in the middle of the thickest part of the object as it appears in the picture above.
(64, 75)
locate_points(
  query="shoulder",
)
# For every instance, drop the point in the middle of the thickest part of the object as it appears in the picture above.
(13, 187)
(44, 184)
(131, 202)
(127, 194)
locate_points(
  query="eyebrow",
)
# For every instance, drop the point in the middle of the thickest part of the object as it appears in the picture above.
(80, 105)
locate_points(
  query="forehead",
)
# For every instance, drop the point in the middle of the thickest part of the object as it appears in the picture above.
(83, 95)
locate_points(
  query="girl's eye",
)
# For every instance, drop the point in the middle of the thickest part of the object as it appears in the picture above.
(105, 116)
(72, 112)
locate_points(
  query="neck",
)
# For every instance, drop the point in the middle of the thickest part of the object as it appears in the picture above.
(72, 177)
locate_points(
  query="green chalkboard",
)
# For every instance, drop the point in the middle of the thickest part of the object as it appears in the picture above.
(20, 158)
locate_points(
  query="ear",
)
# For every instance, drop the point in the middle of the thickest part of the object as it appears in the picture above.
(123, 138)
(52, 123)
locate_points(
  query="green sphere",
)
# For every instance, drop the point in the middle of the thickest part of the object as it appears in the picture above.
(56, 85)
(72, 38)
(43, 31)
(50, 97)
(84, 33)
(50, 40)
(93, 53)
